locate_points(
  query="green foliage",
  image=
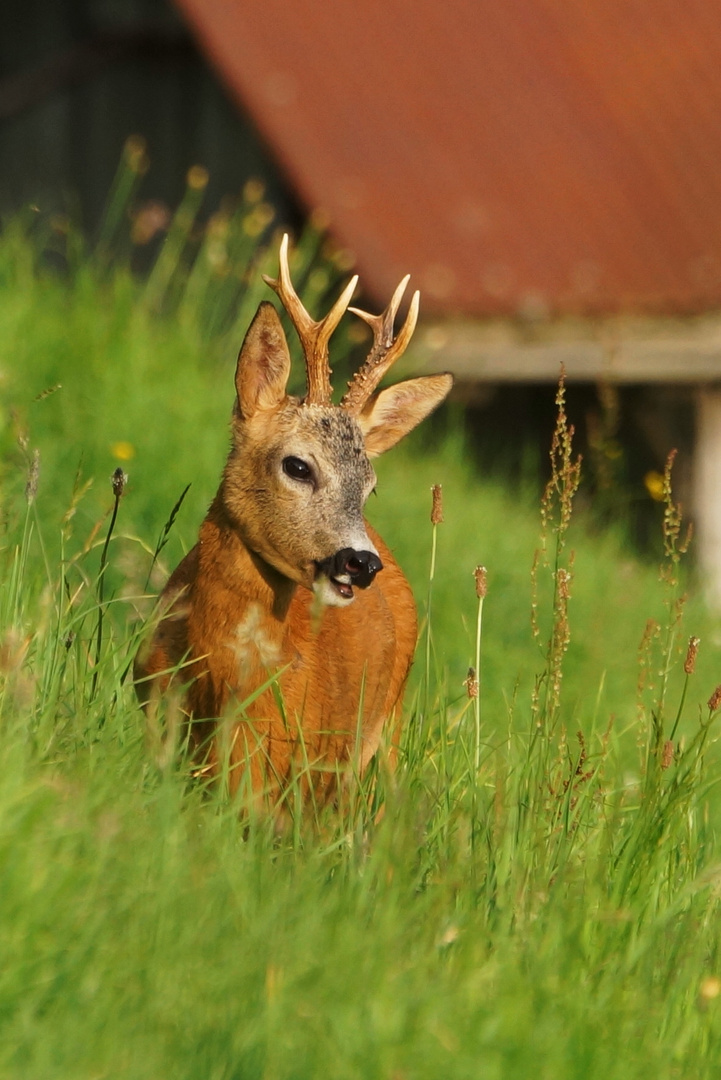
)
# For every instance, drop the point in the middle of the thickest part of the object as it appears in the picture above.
(533, 892)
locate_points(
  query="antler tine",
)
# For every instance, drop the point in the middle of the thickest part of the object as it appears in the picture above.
(314, 335)
(385, 349)
(383, 324)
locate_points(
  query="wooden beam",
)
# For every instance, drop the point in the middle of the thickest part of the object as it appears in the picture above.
(636, 351)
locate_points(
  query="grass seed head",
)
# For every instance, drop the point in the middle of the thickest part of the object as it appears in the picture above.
(563, 578)
(197, 177)
(119, 479)
(31, 486)
(152, 218)
(674, 547)
(471, 683)
(689, 664)
(135, 154)
(481, 576)
(557, 500)
(437, 508)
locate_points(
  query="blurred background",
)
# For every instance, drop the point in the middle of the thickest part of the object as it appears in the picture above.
(548, 172)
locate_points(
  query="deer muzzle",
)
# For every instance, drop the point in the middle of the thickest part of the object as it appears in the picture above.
(349, 567)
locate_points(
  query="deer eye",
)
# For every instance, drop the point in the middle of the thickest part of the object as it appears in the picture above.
(297, 469)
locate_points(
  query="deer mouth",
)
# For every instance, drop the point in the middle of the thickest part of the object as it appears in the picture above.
(335, 589)
(342, 585)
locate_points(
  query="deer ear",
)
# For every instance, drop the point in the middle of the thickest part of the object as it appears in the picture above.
(263, 363)
(394, 412)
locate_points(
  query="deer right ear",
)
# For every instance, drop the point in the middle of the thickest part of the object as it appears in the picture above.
(395, 411)
(263, 363)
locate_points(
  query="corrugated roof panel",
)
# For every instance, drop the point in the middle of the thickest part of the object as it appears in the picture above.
(529, 155)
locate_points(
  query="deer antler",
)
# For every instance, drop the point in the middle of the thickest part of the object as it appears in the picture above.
(314, 336)
(385, 349)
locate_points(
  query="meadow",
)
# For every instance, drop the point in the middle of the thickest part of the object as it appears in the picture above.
(539, 896)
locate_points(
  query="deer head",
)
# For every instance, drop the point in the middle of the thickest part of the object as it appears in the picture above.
(299, 470)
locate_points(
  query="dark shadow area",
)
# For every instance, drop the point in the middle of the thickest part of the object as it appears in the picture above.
(77, 77)
(624, 435)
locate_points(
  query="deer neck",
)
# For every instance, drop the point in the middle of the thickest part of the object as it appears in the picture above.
(226, 560)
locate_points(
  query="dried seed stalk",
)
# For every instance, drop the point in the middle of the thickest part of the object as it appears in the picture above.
(556, 511)
(118, 481)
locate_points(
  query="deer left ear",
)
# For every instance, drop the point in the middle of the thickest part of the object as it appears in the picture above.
(394, 412)
(263, 364)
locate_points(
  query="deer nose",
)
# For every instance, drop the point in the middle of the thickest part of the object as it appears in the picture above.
(362, 567)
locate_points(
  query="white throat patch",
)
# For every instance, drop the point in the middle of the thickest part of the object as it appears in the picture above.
(252, 637)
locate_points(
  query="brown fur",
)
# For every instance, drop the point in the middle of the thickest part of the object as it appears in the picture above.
(240, 606)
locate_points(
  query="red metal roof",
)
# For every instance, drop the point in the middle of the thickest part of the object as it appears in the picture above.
(520, 155)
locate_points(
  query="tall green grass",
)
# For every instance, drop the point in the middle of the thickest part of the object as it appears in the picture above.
(534, 890)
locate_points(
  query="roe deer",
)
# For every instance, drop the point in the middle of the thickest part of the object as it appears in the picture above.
(287, 576)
